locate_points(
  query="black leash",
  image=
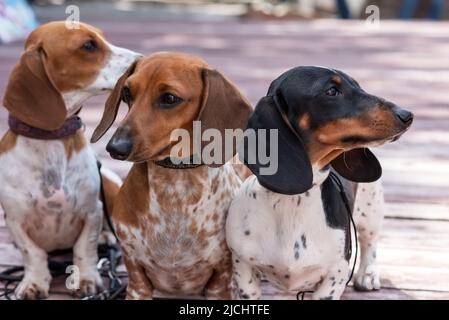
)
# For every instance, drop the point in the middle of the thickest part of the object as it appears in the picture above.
(344, 197)
(351, 222)
(109, 259)
(106, 213)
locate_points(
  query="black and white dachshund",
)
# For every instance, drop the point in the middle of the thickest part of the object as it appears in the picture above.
(293, 227)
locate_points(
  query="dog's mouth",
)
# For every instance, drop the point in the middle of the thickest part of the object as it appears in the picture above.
(397, 136)
(376, 139)
(363, 141)
(118, 156)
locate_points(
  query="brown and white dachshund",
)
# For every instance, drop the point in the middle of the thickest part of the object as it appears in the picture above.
(170, 221)
(49, 178)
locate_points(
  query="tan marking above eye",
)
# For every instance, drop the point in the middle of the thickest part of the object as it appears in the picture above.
(304, 121)
(337, 79)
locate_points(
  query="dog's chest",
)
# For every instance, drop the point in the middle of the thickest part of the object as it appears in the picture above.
(182, 238)
(288, 237)
(47, 192)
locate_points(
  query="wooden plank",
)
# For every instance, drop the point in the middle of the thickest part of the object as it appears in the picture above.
(9, 255)
(412, 235)
(408, 257)
(414, 210)
(350, 294)
(415, 278)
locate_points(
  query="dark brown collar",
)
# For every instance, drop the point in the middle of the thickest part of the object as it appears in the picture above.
(187, 163)
(69, 128)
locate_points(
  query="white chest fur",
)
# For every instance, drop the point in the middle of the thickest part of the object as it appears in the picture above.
(285, 237)
(47, 192)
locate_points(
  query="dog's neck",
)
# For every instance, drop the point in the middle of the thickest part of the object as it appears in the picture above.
(320, 175)
(320, 154)
(69, 128)
(173, 190)
(74, 100)
(156, 168)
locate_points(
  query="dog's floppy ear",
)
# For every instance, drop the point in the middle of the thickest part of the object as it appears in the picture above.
(294, 171)
(358, 165)
(112, 105)
(223, 107)
(31, 96)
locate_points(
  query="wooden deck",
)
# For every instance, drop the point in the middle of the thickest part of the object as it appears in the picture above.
(404, 62)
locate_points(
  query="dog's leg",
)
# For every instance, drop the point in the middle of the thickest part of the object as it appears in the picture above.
(219, 285)
(334, 283)
(37, 278)
(139, 286)
(247, 284)
(85, 255)
(368, 213)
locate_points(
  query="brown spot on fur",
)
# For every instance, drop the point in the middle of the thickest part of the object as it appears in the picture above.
(215, 183)
(132, 199)
(139, 285)
(219, 285)
(8, 142)
(336, 79)
(74, 144)
(170, 200)
(242, 171)
(304, 121)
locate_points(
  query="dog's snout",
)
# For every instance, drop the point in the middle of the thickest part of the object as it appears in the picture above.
(120, 146)
(405, 116)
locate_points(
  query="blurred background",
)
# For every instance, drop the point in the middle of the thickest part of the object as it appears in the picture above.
(395, 49)
(16, 15)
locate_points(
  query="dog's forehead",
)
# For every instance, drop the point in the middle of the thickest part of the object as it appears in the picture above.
(59, 30)
(173, 60)
(313, 73)
(308, 78)
(170, 65)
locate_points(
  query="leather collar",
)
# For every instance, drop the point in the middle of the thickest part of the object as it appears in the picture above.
(69, 128)
(183, 164)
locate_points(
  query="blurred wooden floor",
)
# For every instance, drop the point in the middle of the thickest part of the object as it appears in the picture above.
(404, 62)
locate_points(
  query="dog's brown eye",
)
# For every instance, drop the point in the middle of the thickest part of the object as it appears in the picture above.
(333, 92)
(169, 100)
(126, 95)
(90, 46)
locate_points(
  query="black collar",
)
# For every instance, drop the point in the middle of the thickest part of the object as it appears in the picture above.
(186, 163)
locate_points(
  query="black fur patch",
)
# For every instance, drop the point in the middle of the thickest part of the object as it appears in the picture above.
(335, 209)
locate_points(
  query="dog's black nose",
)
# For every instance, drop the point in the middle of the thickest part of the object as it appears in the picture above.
(119, 147)
(405, 116)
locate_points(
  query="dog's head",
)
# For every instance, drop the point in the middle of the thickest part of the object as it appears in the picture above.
(165, 92)
(59, 70)
(324, 117)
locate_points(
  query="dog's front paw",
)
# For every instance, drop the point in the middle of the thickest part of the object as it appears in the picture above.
(367, 279)
(32, 289)
(90, 284)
